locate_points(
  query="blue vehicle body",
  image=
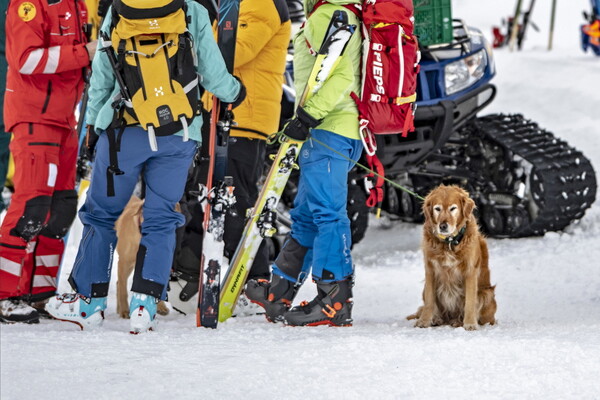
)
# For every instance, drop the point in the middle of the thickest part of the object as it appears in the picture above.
(431, 88)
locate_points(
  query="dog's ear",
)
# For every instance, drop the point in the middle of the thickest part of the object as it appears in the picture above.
(468, 205)
(427, 208)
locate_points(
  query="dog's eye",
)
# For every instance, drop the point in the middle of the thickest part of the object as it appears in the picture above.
(453, 208)
(438, 208)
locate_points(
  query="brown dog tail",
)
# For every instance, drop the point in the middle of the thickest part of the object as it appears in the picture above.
(415, 315)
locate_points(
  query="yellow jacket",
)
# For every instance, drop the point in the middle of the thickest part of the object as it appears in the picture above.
(263, 36)
(93, 17)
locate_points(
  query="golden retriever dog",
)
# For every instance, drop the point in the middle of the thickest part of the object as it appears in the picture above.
(128, 242)
(457, 278)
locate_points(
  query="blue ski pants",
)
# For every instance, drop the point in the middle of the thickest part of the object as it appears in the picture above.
(319, 217)
(164, 172)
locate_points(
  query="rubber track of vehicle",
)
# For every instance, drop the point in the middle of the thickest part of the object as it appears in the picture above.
(567, 176)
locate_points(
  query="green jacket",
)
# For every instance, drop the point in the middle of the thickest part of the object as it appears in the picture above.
(332, 102)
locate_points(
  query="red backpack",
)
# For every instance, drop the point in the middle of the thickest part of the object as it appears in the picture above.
(389, 80)
(390, 66)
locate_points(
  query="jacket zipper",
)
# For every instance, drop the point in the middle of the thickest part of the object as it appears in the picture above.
(48, 93)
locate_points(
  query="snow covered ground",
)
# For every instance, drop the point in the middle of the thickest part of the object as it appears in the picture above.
(546, 343)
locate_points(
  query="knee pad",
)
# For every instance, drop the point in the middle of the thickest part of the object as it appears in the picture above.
(32, 221)
(62, 214)
(291, 258)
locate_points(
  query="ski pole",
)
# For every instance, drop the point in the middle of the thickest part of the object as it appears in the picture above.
(552, 18)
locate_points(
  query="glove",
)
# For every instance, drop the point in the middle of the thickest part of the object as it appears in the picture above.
(299, 127)
(91, 138)
(225, 114)
(241, 94)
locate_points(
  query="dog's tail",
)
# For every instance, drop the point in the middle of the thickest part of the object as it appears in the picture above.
(415, 315)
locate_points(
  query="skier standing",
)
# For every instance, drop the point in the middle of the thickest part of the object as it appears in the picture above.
(261, 48)
(4, 136)
(47, 53)
(164, 172)
(320, 236)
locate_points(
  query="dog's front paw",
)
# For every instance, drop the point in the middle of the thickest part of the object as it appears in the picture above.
(456, 323)
(423, 323)
(471, 327)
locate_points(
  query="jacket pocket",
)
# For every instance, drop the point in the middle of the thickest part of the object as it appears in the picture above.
(44, 164)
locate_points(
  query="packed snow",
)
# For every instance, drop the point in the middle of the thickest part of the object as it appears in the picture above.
(545, 345)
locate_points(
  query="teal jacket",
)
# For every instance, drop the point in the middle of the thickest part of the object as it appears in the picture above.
(332, 102)
(213, 75)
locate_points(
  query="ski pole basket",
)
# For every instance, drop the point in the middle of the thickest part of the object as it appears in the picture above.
(433, 21)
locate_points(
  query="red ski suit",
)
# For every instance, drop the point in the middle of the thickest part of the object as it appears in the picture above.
(46, 54)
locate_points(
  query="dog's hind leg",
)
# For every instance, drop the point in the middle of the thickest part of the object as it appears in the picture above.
(124, 268)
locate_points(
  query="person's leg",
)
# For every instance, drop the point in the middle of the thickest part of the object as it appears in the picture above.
(325, 177)
(185, 273)
(245, 165)
(165, 175)
(292, 264)
(50, 246)
(35, 150)
(92, 269)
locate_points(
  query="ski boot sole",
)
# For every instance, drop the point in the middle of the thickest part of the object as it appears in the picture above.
(35, 320)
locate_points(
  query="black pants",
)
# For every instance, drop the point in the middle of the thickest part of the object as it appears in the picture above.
(246, 159)
(245, 164)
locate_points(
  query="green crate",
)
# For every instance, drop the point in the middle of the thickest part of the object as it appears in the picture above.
(433, 21)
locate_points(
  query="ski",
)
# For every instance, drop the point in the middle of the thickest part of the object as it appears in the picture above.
(514, 28)
(526, 22)
(261, 220)
(217, 195)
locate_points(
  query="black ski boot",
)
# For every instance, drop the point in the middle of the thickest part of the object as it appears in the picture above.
(16, 310)
(332, 306)
(274, 296)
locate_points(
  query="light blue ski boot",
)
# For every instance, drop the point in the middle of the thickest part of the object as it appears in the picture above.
(87, 312)
(142, 313)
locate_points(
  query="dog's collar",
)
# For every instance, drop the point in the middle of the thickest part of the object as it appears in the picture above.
(454, 240)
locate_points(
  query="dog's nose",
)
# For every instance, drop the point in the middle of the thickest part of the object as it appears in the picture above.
(443, 227)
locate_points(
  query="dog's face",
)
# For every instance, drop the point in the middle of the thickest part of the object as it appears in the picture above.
(447, 208)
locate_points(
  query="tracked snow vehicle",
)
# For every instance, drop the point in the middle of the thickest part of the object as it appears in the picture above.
(524, 180)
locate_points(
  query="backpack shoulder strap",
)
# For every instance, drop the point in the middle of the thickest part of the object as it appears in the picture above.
(355, 8)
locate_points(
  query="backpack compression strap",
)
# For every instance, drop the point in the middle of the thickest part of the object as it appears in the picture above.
(133, 9)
